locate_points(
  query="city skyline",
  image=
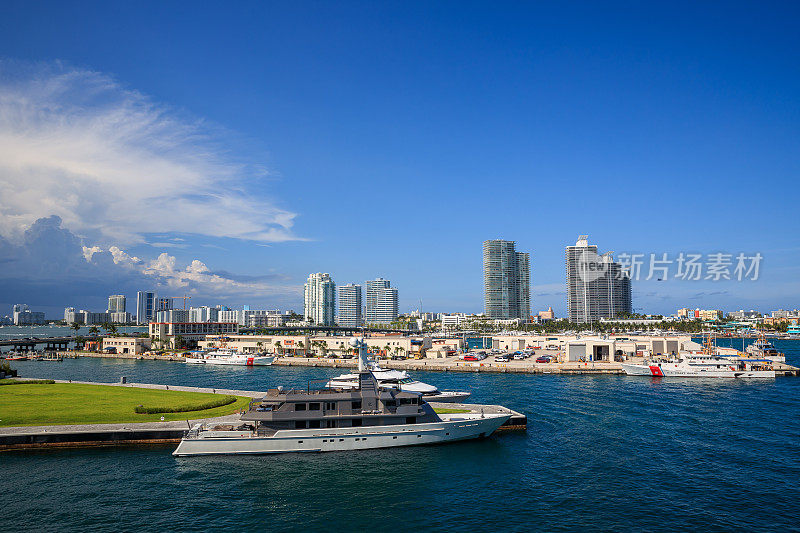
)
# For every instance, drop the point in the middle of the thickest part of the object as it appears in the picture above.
(261, 126)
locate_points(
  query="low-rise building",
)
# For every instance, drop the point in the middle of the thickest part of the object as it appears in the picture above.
(190, 332)
(127, 345)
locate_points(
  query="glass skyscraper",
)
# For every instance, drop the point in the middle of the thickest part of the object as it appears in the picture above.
(506, 281)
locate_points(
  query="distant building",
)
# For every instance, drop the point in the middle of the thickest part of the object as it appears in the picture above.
(597, 287)
(116, 303)
(544, 316)
(19, 308)
(145, 306)
(700, 314)
(320, 299)
(350, 305)
(382, 301)
(172, 315)
(188, 331)
(203, 314)
(28, 318)
(741, 314)
(162, 304)
(127, 345)
(120, 317)
(506, 281)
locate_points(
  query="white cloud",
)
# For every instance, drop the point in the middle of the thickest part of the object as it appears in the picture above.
(114, 165)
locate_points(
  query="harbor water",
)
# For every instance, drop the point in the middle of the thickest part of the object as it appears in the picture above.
(601, 453)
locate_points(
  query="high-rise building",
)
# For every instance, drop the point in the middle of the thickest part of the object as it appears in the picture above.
(506, 280)
(320, 299)
(381, 302)
(371, 303)
(162, 304)
(116, 303)
(597, 287)
(350, 306)
(145, 306)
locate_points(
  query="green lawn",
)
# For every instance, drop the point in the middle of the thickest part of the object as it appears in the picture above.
(444, 411)
(72, 403)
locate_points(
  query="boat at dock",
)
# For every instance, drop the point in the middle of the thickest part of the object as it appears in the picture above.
(708, 363)
(329, 419)
(227, 356)
(764, 349)
(399, 380)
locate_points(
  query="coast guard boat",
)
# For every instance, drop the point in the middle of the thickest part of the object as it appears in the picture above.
(337, 419)
(707, 363)
(399, 380)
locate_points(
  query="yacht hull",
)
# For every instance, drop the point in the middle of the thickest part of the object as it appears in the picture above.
(327, 440)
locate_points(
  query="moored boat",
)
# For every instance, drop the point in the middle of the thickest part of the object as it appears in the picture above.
(331, 419)
(227, 356)
(399, 380)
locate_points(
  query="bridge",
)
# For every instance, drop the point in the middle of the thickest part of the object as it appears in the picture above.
(26, 344)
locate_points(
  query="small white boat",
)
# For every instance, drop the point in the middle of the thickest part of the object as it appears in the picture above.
(763, 349)
(227, 356)
(399, 380)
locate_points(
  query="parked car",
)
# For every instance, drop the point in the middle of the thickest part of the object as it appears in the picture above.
(501, 359)
(542, 359)
(519, 356)
(471, 357)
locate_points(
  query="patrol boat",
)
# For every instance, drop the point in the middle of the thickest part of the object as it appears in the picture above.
(337, 419)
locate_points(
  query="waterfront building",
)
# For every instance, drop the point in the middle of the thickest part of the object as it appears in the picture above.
(19, 308)
(350, 305)
(320, 299)
(382, 301)
(597, 286)
(145, 306)
(121, 317)
(127, 345)
(188, 331)
(116, 303)
(27, 317)
(506, 281)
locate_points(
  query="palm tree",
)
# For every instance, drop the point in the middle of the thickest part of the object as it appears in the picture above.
(94, 331)
(259, 344)
(112, 329)
(177, 342)
(300, 346)
(279, 347)
(75, 326)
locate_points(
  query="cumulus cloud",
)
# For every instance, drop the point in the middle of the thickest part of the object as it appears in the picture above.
(51, 265)
(115, 166)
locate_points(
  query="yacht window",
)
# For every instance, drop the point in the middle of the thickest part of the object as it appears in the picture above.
(390, 403)
(356, 422)
(313, 424)
(314, 406)
(299, 407)
(300, 424)
(357, 404)
(330, 423)
(411, 420)
(330, 406)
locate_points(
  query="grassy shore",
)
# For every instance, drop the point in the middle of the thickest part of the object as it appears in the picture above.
(72, 403)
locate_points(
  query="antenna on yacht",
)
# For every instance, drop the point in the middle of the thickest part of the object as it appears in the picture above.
(362, 352)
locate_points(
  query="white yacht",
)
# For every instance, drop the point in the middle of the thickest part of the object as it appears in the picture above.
(227, 356)
(337, 419)
(399, 380)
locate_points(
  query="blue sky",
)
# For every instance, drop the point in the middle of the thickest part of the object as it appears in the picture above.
(391, 139)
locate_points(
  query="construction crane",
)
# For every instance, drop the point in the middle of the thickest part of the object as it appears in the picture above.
(184, 298)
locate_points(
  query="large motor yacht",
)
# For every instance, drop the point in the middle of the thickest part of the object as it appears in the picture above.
(227, 356)
(337, 419)
(399, 380)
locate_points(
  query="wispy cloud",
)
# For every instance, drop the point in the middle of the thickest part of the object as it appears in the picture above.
(114, 165)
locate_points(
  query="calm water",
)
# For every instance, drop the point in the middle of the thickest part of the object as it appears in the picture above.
(600, 453)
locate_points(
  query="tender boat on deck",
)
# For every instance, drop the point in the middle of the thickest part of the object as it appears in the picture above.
(399, 380)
